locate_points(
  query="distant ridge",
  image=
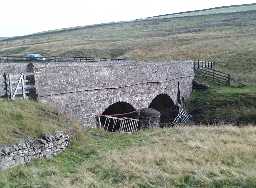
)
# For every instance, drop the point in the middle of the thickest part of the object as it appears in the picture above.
(215, 10)
(225, 35)
(210, 11)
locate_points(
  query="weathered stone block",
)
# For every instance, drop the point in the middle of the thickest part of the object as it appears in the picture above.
(149, 118)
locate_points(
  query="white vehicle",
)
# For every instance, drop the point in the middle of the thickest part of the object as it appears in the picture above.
(34, 57)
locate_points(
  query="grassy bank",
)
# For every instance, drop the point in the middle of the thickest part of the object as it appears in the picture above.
(180, 157)
(176, 157)
(224, 104)
(21, 119)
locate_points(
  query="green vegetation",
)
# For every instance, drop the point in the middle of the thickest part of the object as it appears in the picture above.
(180, 157)
(227, 37)
(21, 119)
(224, 104)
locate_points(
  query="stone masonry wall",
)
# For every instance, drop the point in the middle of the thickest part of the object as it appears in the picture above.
(43, 147)
(56, 78)
(84, 90)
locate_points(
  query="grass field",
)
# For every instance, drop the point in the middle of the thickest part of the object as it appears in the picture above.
(21, 119)
(227, 37)
(177, 157)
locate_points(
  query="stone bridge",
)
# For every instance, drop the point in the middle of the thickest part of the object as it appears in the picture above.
(83, 90)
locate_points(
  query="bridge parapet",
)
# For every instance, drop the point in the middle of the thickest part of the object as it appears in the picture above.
(72, 77)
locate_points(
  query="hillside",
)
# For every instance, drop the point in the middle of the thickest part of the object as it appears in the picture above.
(224, 104)
(228, 37)
(21, 119)
(217, 10)
(178, 157)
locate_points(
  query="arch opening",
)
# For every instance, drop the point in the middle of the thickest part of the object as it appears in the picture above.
(118, 110)
(165, 105)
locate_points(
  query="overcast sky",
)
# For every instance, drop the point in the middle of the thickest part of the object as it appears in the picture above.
(20, 17)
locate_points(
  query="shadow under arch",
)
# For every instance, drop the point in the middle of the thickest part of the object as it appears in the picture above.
(119, 110)
(165, 105)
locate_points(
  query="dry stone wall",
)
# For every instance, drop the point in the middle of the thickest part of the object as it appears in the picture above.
(24, 152)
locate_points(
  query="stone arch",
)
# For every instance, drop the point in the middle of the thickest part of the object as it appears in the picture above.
(120, 110)
(165, 105)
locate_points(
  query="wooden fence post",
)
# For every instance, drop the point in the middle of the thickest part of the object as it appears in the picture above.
(229, 80)
(23, 86)
(5, 84)
(10, 86)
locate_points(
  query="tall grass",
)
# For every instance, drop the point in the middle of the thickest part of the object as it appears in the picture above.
(224, 104)
(21, 119)
(178, 157)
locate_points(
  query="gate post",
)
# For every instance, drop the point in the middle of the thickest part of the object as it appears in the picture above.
(5, 85)
(229, 80)
(10, 85)
(23, 86)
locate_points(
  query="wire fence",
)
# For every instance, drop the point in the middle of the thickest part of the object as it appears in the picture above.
(113, 123)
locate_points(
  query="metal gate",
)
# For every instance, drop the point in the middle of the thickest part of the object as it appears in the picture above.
(20, 86)
(114, 124)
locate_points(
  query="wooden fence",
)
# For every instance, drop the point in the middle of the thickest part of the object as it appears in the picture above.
(204, 64)
(207, 70)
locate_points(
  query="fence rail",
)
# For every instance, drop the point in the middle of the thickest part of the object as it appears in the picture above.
(207, 70)
(126, 124)
(199, 64)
